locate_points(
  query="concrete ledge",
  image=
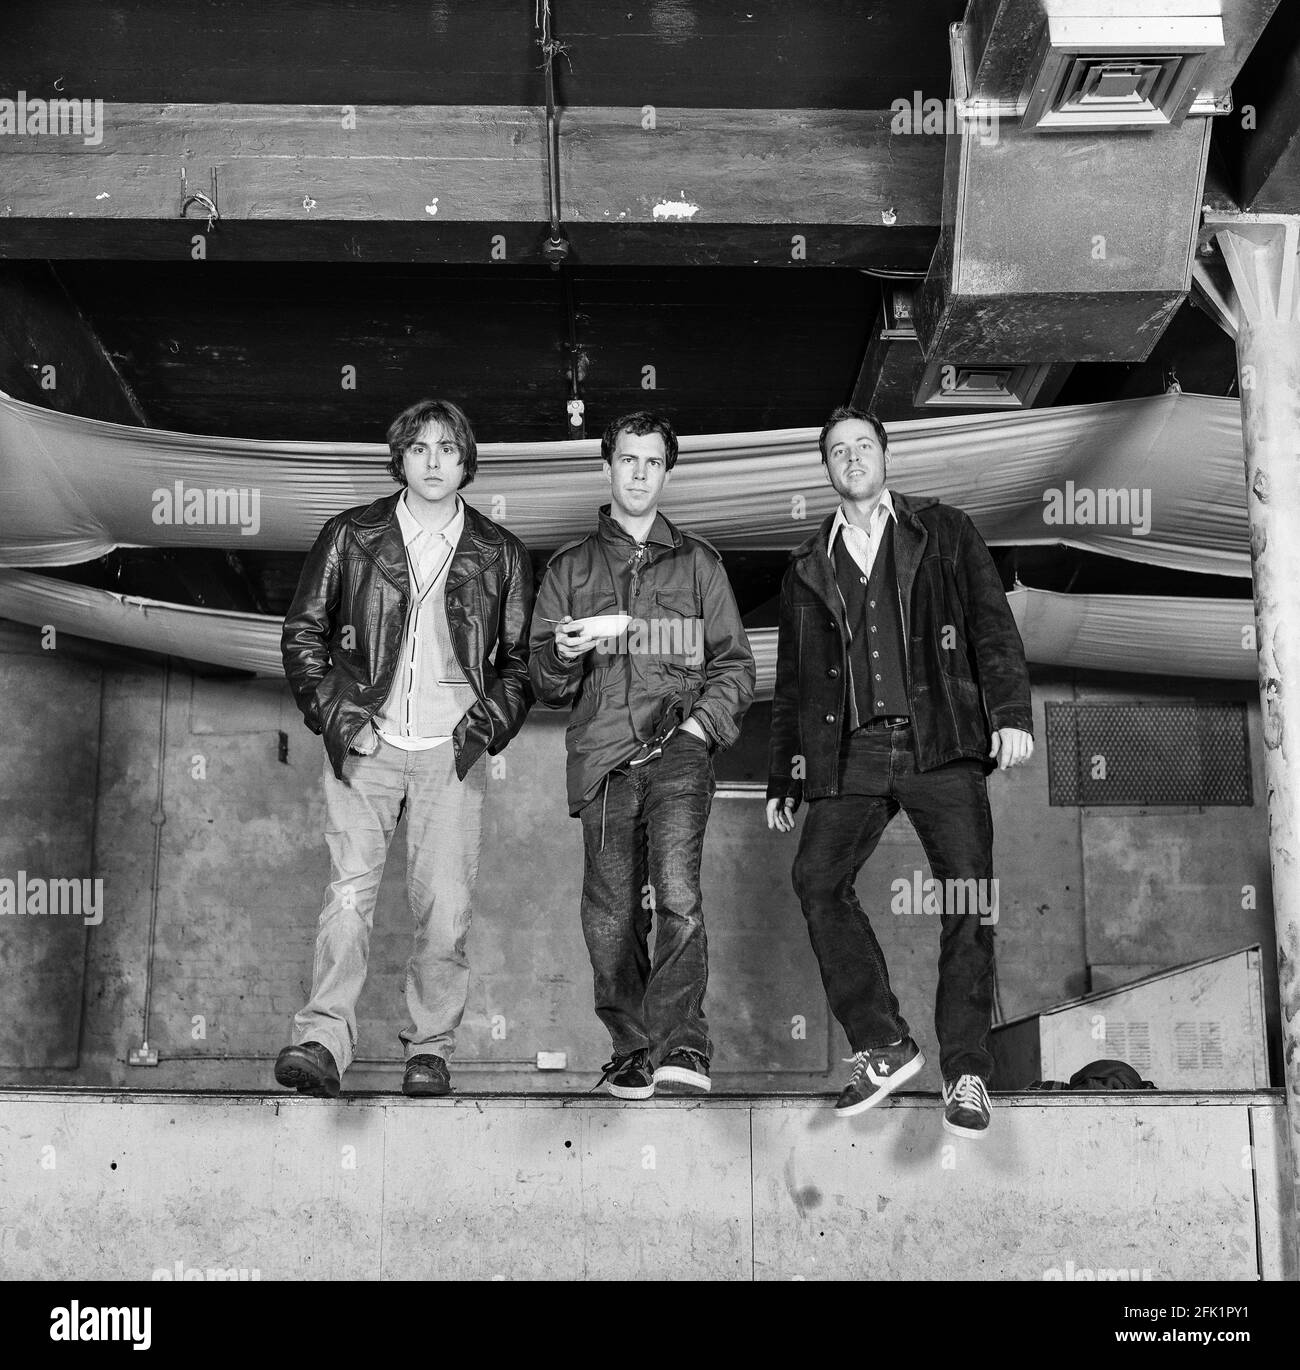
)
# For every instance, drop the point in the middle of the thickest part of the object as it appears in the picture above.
(1163, 1098)
(1146, 1186)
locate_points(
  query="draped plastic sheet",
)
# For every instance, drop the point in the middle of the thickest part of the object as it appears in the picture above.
(72, 489)
(1175, 637)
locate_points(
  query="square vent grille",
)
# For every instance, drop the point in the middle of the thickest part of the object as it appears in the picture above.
(1118, 73)
(975, 385)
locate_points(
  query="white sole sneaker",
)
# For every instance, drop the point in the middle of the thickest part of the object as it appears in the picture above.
(976, 1135)
(980, 1101)
(679, 1075)
(885, 1085)
(631, 1091)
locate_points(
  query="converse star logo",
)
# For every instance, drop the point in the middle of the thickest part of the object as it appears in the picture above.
(883, 1068)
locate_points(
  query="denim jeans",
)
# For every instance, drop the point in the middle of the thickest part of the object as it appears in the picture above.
(949, 809)
(443, 838)
(643, 835)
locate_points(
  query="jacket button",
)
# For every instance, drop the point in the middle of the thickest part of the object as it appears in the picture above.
(830, 718)
(834, 673)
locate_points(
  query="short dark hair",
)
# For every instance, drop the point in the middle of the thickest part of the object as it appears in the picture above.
(847, 411)
(640, 423)
(406, 427)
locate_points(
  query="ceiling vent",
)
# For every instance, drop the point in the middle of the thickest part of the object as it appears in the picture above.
(969, 385)
(1118, 73)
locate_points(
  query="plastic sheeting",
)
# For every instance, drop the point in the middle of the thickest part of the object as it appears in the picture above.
(1175, 637)
(1155, 480)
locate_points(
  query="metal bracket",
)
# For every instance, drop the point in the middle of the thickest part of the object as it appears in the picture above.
(556, 251)
(208, 202)
(143, 1055)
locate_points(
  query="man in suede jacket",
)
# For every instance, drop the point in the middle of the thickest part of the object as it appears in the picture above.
(900, 682)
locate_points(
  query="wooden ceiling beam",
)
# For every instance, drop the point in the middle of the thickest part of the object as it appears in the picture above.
(834, 54)
(469, 184)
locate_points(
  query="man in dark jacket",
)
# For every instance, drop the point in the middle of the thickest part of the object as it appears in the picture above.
(653, 699)
(406, 647)
(900, 681)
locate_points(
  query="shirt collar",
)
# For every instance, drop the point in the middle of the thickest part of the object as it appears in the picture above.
(412, 528)
(612, 528)
(883, 511)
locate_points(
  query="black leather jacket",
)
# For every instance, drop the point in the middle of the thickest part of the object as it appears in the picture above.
(356, 576)
(966, 672)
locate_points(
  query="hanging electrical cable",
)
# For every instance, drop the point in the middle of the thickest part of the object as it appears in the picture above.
(578, 364)
(556, 247)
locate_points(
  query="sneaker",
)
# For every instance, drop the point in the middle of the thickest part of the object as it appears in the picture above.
(877, 1072)
(309, 1068)
(684, 1068)
(966, 1107)
(628, 1076)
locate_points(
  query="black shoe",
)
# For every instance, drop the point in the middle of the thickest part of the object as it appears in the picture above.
(628, 1076)
(309, 1068)
(877, 1072)
(966, 1107)
(426, 1077)
(683, 1070)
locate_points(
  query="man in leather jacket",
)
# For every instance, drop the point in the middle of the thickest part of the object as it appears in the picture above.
(651, 704)
(900, 681)
(406, 647)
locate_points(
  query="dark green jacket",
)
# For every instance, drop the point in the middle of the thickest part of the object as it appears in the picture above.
(687, 652)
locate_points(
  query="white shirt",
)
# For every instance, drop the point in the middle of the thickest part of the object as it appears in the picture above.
(428, 554)
(862, 543)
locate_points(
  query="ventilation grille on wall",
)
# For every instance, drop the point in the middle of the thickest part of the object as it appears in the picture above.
(1129, 1042)
(1148, 754)
(1198, 1046)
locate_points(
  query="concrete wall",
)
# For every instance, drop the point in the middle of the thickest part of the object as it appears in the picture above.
(49, 753)
(241, 865)
(122, 1186)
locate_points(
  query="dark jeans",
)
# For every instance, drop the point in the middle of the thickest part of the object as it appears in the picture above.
(643, 832)
(949, 809)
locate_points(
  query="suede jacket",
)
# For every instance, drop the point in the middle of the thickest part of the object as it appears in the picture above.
(342, 636)
(966, 671)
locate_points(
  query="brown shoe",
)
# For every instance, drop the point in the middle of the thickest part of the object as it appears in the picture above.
(426, 1077)
(310, 1069)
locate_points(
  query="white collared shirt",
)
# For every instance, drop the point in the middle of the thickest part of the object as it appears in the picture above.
(428, 555)
(427, 551)
(863, 544)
